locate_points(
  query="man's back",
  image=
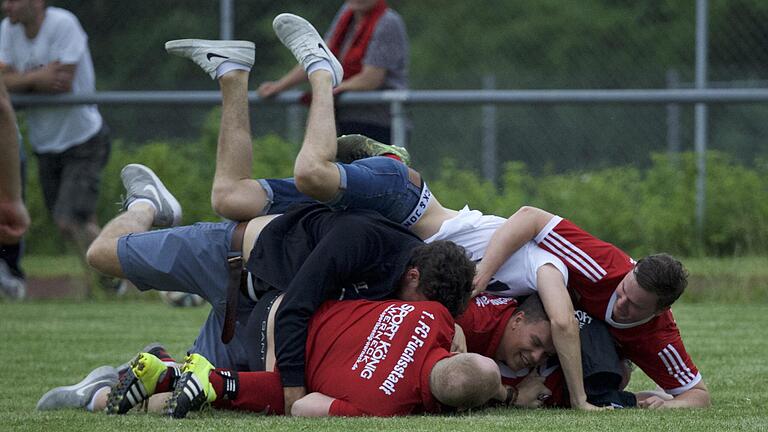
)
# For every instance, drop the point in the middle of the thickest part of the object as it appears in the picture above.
(375, 357)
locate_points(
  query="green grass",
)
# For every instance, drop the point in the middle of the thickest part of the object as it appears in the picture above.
(47, 344)
(729, 280)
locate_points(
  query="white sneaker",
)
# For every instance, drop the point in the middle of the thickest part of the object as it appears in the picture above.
(209, 54)
(298, 35)
(142, 182)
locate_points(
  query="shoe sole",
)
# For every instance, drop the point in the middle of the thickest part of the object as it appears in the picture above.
(164, 193)
(121, 392)
(147, 349)
(180, 44)
(180, 403)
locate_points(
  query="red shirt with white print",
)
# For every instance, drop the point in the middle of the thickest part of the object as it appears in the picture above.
(375, 358)
(595, 269)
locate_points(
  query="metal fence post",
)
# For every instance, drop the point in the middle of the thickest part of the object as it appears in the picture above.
(398, 123)
(489, 133)
(673, 119)
(294, 132)
(226, 19)
(700, 119)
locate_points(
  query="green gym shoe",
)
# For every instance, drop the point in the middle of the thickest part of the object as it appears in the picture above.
(193, 389)
(137, 384)
(354, 147)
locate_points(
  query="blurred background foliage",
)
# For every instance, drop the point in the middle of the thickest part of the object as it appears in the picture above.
(607, 167)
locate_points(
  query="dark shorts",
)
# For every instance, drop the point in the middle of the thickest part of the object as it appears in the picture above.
(191, 259)
(71, 179)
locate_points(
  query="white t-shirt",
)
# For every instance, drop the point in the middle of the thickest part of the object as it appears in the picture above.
(61, 38)
(473, 230)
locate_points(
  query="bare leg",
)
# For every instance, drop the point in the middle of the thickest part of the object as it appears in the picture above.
(315, 172)
(102, 254)
(235, 194)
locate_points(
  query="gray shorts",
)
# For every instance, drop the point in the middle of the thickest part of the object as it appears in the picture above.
(191, 259)
(71, 180)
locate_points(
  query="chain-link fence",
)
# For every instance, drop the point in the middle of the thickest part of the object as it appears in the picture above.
(502, 44)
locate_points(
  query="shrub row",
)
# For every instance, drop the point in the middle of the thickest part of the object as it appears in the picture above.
(641, 210)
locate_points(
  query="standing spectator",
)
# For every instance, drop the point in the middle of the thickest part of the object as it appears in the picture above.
(14, 219)
(45, 50)
(370, 40)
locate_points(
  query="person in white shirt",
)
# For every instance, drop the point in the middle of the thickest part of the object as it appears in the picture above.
(45, 50)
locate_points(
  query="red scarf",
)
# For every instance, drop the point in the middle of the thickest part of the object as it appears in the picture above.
(353, 59)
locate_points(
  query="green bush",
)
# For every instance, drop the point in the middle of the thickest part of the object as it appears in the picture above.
(640, 210)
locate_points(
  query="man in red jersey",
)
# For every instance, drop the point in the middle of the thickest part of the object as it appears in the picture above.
(633, 298)
(373, 359)
(519, 338)
(364, 358)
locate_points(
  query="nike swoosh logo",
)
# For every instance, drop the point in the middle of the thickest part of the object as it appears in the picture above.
(330, 56)
(81, 391)
(212, 55)
(153, 190)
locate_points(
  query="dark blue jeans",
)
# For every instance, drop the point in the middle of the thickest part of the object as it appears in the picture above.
(379, 183)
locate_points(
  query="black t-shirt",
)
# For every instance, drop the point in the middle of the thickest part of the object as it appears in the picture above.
(315, 254)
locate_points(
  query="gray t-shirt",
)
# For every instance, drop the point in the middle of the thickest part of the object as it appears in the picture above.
(388, 49)
(62, 39)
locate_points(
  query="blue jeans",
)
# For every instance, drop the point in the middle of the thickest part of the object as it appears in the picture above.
(379, 183)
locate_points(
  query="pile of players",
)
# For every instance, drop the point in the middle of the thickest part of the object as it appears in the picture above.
(350, 290)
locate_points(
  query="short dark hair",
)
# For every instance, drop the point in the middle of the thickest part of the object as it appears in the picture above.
(445, 274)
(662, 275)
(533, 309)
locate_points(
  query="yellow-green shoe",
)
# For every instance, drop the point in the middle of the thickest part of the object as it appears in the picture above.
(137, 384)
(353, 147)
(193, 389)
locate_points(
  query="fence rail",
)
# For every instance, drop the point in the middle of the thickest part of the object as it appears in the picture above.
(532, 97)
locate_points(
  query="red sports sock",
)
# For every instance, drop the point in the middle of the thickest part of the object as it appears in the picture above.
(393, 156)
(167, 382)
(258, 392)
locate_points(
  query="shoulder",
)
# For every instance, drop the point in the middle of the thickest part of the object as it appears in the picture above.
(60, 16)
(391, 21)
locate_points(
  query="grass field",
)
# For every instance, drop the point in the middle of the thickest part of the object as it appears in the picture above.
(47, 344)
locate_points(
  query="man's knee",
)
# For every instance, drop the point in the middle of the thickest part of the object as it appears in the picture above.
(317, 179)
(102, 256)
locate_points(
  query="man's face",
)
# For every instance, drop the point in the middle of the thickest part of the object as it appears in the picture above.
(633, 303)
(524, 344)
(19, 11)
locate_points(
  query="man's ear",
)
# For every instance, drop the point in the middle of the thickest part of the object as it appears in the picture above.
(518, 318)
(412, 275)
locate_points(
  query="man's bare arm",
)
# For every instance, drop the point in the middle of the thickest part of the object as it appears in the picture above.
(312, 405)
(695, 397)
(370, 78)
(565, 331)
(14, 218)
(54, 77)
(520, 228)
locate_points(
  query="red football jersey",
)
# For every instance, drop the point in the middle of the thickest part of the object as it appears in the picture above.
(484, 322)
(595, 269)
(375, 358)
